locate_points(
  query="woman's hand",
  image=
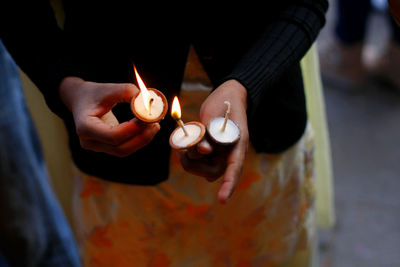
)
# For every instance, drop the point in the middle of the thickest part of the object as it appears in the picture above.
(96, 125)
(221, 160)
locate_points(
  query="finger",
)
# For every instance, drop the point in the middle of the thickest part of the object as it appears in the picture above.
(106, 97)
(231, 178)
(118, 93)
(210, 168)
(126, 148)
(193, 154)
(232, 173)
(204, 147)
(93, 128)
(110, 119)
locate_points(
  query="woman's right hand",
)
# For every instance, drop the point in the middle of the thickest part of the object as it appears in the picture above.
(96, 125)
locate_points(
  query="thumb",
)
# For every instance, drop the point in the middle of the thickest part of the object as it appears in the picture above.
(118, 93)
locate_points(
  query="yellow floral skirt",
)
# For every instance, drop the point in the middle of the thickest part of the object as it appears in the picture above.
(269, 221)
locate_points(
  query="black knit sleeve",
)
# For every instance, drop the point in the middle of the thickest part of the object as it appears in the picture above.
(284, 42)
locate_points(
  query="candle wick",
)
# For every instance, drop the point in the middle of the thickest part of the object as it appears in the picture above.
(150, 102)
(228, 111)
(181, 124)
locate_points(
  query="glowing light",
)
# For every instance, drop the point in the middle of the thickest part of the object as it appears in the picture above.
(143, 90)
(176, 112)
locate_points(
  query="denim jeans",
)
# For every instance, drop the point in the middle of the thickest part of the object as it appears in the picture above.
(351, 21)
(33, 228)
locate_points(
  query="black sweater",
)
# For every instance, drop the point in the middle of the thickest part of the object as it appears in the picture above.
(259, 46)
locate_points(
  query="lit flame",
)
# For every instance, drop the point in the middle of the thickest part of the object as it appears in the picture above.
(143, 90)
(176, 109)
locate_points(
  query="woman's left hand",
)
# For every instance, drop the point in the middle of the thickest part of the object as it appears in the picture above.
(221, 160)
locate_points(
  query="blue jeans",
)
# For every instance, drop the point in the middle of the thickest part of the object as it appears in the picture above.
(33, 228)
(352, 16)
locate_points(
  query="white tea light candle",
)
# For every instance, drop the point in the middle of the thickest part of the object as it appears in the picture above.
(153, 110)
(149, 105)
(187, 134)
(195, 133)
(230, 135)
(222, 130)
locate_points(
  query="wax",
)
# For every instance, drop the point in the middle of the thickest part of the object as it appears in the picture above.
(230, 135)
(156, 109)
(179, 139)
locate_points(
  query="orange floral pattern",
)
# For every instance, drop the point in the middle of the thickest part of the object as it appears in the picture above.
(180, 222)
(90, 187)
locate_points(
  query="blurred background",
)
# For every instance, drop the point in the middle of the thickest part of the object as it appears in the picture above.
(364, 124)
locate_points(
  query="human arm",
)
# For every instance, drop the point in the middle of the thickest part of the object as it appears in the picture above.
(39, 46)
(280, 46)
(269, 68)
(283, 42)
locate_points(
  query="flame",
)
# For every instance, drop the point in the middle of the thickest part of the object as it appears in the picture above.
(143, 90)
(176, 109)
